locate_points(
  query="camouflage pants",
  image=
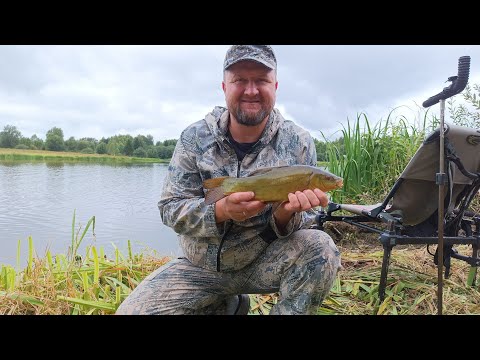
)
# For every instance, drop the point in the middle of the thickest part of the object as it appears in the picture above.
(301, 268)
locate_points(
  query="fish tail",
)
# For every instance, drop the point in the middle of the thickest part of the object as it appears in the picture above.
(215, 189)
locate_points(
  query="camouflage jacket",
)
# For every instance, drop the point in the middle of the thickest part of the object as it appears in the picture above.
(204, 152)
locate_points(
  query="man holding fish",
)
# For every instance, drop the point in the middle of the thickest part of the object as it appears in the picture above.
(241, 190)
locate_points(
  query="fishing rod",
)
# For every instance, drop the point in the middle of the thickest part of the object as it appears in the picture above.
(458, 84)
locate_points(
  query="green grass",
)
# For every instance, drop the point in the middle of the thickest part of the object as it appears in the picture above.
(91, 284)
(411, 286)
(372, 157)
(12, 155)
(74, 283)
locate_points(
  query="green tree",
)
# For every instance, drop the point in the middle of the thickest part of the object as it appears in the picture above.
(101, 148)
(152, 152)
(170, 142)
(88, 150)
(92, 142)
(129, 147)
(54, 140)
(26, 142)
(138, 142)
(37, 142)
(149, 140)
(116, 144)
(467, 114)
(165, 152)
(140, 152)
(71, 144)
(10, 136)
(84, 143)
(321, 148)
(113, 147)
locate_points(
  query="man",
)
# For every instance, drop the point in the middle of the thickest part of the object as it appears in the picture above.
(238, 246)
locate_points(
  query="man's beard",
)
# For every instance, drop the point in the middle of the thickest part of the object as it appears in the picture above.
(249, 119)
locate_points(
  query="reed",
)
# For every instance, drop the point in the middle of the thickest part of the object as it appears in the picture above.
(94, 285)
(72, 283)
(372, 157)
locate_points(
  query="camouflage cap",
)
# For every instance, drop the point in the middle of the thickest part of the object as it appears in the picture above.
(261, 53)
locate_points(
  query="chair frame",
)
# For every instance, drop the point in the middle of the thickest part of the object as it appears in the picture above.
(393, 235)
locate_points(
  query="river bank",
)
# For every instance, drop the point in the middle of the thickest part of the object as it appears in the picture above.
(45, 155)
(89, 283)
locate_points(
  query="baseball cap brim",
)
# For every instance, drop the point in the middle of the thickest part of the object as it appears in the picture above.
(249, 58)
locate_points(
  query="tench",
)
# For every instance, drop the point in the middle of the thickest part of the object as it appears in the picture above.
(273, 184)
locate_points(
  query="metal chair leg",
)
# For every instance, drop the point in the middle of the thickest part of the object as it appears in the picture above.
(387, 250)
(472, 275)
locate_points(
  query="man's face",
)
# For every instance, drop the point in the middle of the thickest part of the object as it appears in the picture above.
(250, 91)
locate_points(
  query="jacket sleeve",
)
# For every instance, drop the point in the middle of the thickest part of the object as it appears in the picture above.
(303, 219)
(181, 203)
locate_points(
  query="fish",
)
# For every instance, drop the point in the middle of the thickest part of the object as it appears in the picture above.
(272, 184)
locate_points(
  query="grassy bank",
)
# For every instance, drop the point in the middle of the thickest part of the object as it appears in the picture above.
(90, 283)
(44, 155)
(73, 283)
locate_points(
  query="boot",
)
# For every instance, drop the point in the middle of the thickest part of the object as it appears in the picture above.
(238, 305)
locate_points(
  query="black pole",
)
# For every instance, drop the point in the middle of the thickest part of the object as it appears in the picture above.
(441, 198)
(459, 83)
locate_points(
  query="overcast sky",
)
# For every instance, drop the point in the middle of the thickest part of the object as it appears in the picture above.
(101, 91)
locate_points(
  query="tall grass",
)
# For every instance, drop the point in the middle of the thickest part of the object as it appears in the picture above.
(73, 284)
(372, 157)
(94, 285)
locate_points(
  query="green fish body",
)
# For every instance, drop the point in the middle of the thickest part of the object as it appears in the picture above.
(273, 184)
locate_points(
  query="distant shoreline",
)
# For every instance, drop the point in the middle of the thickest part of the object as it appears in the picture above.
(9, 155)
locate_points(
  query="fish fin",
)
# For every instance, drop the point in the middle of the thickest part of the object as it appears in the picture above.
(265, 170)
(214, 195)
(275, 206)
(215, 182)
(339, 183)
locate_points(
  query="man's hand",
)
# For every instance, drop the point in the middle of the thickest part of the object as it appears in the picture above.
(237, 206)
(300, 201)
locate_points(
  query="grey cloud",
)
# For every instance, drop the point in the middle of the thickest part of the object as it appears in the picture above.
(161, 89)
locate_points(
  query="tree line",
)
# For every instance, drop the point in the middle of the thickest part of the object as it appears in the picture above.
(127, 145)
(138, 146)
(467, 114)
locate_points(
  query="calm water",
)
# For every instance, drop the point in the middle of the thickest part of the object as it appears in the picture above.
(38, 200)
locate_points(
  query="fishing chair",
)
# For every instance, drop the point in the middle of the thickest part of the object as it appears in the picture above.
(410, 212)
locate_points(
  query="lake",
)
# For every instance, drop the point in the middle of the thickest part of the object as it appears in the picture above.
(39, 199)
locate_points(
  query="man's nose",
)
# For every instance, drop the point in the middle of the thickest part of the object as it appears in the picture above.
(251, 88)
